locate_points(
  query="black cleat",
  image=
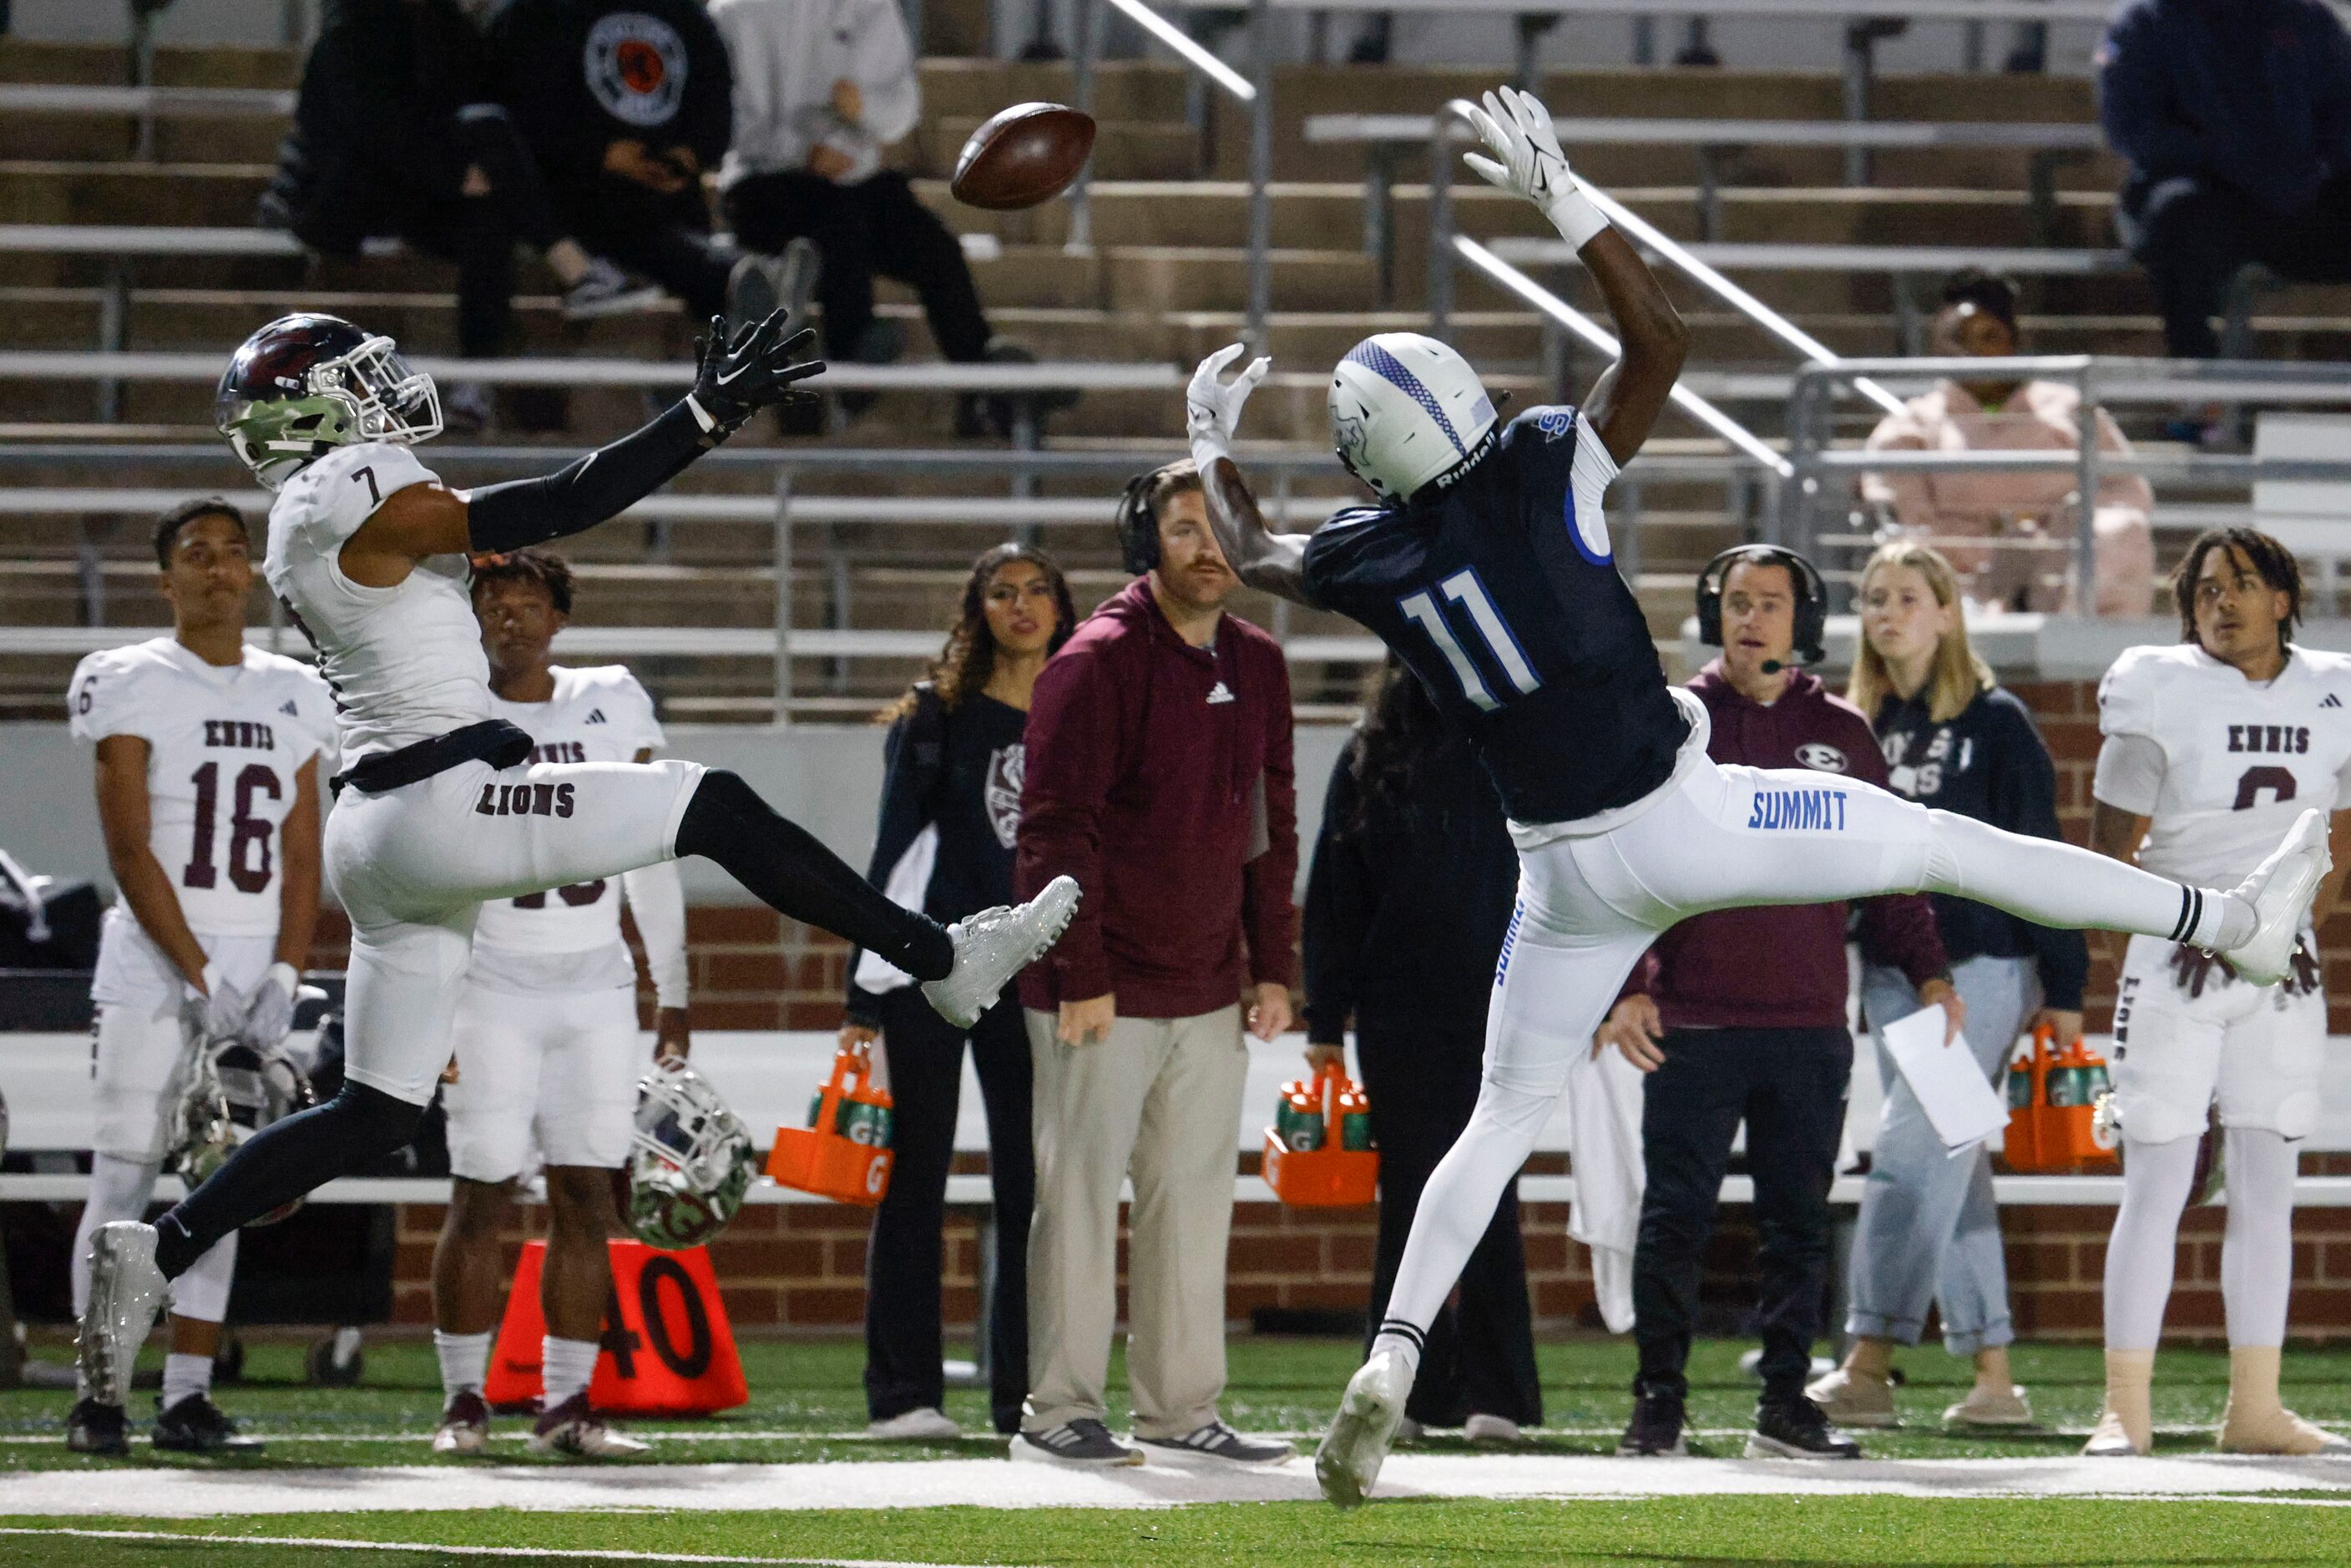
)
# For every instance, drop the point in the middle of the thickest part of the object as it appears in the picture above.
(95, 1429)
(195, 1426)
(1656, 1430)
(1796, 1429)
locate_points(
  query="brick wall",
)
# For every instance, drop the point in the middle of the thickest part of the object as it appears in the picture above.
(803, 1265)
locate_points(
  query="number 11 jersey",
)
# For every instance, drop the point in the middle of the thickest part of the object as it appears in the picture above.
(1500, 592)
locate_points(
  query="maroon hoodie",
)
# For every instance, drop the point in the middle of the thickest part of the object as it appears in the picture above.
(1159, 776)
(1783, 966)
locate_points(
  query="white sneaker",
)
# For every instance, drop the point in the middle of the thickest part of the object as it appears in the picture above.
(924, 1425)
(994, 946)
(1352, 1450)
(1986, 1406)
(126, 1291)
(1492, 1431)
(1850, 1400)
(2281, 890)
(2276, 1430)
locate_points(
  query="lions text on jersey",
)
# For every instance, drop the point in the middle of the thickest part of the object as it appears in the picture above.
(568, 940)
(405, 661)
(1500, 591)
(2219, 766)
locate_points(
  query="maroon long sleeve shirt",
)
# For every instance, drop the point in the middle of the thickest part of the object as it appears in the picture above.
(1783, 966)
(1159, 776)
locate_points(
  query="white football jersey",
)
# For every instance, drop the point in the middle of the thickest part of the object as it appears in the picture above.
(568, 940)
(2241, 761)
(224, 745)
(405, 661)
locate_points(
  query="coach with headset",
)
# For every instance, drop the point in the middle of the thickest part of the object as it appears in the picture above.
(1740, 1015)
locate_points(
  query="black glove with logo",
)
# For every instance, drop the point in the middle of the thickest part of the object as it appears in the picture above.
(757, 371)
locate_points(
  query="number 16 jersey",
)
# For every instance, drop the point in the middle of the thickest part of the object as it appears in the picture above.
(1500, 592)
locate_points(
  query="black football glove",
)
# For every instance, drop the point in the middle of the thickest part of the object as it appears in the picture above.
(732, 383)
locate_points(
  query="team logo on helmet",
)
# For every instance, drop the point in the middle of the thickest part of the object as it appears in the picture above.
(307, 383)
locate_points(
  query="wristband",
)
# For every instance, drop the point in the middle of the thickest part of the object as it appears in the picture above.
(288, 979)
(1208, 445)
(1575, 215)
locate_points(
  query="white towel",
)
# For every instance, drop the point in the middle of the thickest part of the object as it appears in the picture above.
(1604, 1109)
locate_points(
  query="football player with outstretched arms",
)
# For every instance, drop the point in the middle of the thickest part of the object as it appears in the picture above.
(2212, 745)
(1487, 567)
(207, 754)
(441, 806)
(545, 1051)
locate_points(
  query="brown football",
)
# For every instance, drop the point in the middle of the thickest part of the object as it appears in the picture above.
(1025, 155)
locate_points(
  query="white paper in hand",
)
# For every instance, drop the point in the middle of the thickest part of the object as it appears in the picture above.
(1958, 1099)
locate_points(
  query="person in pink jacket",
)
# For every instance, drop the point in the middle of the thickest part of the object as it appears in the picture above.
(2030, 507)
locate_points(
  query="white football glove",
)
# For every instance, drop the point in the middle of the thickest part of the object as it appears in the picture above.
(270, 1014)
(1212, 406)
(1516, 128)
(216, 1013)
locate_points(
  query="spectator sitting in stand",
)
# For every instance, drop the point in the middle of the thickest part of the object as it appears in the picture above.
(821, 87)
(2029, 507)
(392, 136)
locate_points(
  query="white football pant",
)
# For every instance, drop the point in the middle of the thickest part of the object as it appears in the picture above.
(554, 1073)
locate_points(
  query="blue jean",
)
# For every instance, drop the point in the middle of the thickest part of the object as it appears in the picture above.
(1930, 1229)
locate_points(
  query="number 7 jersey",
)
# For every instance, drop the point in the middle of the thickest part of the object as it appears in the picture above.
(2239, 762)
(1500, 592)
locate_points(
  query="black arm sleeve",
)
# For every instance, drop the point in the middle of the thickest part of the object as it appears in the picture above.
(1340, 897)
(601, 484)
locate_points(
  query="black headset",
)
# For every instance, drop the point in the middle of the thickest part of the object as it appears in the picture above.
(1138, 530)
(1812, 601)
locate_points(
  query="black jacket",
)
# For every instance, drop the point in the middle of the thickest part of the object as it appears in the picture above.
(1988, 762)
(378, 104)
(579, 75)
(1406, 914)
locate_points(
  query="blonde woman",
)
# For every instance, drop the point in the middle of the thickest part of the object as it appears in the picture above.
(1928, 1230)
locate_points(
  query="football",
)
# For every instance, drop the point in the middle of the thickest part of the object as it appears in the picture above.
(1024, 155)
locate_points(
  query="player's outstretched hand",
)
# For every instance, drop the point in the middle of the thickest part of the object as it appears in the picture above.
(1212, 406)
(1527, 161)
(758, 368)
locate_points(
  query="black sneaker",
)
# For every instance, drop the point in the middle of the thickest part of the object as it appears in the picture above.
(195, 1426)
(1084, 1441)
(1219, 1442)
(1797, 1430)
(95, 1429)
(1656, 1429)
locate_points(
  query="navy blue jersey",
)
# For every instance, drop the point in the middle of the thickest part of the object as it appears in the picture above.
(1500, 592)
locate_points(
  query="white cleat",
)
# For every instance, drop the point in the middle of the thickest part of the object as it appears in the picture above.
(995, 945)
(2277, 1431)
(126, 1291)
(924, 1425)
(2109, 1440)
(575, 1431)
(1356, 1447)
(2281, 890)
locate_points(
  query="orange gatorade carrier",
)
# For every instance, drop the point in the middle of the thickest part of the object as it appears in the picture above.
(2052, 1103)
(843, 1153)
(1317, 1153)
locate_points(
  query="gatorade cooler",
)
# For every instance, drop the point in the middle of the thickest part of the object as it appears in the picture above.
(2052, 1110)
(1317, 1153)
(843, 1153)
(668, 1349)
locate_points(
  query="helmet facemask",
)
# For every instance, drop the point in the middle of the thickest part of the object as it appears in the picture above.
(690, 1160)
(369, 393)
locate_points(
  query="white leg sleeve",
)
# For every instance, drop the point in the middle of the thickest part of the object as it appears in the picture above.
(2156, 1178)
(2053, 884)
(2257, 1249)
(202, 1293)
(119, 1189)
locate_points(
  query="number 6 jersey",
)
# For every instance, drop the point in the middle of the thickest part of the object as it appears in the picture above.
(2219, 766)
(224, 745)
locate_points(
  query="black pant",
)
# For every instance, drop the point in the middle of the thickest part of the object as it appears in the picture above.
(2193, 234)
(874, 226)
(903, 1259)
(666, 238)
(1480, 1355)
(343, 202)
(1788, 1085)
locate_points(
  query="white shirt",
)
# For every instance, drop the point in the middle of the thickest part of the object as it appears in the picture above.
(2220, 767)
(787, 54)
(405, 662)
(568, 939)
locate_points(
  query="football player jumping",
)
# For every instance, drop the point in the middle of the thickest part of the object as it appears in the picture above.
(208, 796)
(443, 807)
(1487, 569)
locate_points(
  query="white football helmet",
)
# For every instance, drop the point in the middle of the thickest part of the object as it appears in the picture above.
(1406, 411)
(308, 383)
(690, 1159)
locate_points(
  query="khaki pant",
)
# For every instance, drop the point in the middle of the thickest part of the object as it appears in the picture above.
(1158, 1102)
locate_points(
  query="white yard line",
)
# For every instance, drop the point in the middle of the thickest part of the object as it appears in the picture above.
(535, 1553)
(993, 1483)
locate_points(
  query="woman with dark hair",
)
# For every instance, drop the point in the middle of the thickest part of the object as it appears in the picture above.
(950, 807)
(1411, 892)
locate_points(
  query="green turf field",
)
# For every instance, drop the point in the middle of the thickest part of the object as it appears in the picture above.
(807, 1404)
